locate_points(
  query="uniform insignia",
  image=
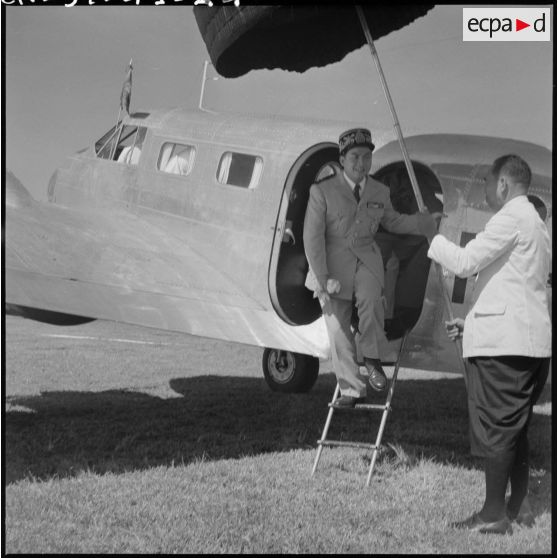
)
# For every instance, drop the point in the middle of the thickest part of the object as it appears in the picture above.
(359, 137)
(377, 205)
(354, 138)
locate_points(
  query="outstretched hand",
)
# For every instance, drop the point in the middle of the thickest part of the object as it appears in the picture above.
(428, 224)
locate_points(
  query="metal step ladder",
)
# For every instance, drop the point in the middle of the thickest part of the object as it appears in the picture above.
(362, 407)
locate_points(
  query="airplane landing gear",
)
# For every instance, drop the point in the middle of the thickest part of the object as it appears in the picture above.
(289, 372)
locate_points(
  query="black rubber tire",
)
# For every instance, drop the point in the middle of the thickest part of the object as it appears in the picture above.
(289, 372)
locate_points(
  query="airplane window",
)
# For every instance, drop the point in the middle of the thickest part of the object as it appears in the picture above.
(129, 145)
(239, 169)
(176, 158)
(105, 146)
(122, 144)
(130, 155)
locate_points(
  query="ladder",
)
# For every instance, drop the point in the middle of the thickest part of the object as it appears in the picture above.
(361, 407)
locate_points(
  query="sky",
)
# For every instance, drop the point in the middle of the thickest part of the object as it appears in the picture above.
(64, 69)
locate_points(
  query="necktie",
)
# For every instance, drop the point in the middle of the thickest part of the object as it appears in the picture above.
(356, 192)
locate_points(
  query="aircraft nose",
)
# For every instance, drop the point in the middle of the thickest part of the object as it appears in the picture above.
(16, 193)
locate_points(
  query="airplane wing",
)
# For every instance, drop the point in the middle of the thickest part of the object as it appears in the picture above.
(115, 265)
(52, 248)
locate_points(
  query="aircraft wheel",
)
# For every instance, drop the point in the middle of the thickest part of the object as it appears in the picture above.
(289, 372)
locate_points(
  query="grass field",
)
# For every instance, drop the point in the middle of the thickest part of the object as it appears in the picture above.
(122, 439)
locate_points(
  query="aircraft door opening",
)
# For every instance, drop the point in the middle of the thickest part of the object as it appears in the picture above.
(292, 301)
(406, 263)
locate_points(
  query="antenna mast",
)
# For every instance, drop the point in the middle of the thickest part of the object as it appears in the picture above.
(204, 79)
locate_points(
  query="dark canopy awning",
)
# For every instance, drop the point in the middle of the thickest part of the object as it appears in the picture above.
(244, 38)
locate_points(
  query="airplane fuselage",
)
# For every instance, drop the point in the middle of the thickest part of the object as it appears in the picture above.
(192, 221)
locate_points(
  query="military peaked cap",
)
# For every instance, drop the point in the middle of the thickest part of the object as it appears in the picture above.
(356, 137)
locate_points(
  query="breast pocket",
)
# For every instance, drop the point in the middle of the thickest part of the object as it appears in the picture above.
(374, 216)
(338, 222)
(496, 309)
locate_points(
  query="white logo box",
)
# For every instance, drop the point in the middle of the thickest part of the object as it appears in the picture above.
(499, 24)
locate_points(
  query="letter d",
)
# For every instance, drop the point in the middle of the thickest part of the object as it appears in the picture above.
(536, 24)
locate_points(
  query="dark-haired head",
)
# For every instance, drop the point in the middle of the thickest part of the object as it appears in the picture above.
(510, 176)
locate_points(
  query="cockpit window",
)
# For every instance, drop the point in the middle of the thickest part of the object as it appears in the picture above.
(122, 144)
(128, 149)
(240, 169)
(105, 146)
(176, 158)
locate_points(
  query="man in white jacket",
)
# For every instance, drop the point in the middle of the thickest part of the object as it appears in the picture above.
(506, 338)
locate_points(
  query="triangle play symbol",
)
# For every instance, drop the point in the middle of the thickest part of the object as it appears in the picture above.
(519, 25)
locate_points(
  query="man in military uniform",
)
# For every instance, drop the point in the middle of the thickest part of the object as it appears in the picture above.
(342, 217)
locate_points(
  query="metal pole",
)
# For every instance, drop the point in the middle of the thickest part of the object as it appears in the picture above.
(200, 104)
(410, 170)
(118, 117)
(376, 58)
(117, 135)
(205, 64)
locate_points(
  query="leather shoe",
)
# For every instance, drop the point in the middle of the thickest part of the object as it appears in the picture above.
(347, 402)
(475, 523)
(377, 377)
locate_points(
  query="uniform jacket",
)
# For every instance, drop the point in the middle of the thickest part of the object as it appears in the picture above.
(509, 314)
(337, 231)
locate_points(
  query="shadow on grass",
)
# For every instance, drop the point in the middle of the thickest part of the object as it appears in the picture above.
(228, 417)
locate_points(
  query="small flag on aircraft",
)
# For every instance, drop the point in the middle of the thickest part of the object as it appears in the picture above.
(126, 94)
